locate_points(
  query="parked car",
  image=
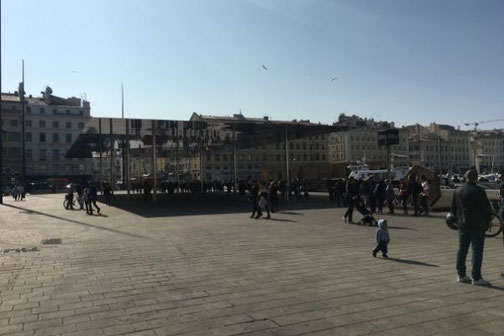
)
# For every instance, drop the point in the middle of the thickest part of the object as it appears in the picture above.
(40, 188)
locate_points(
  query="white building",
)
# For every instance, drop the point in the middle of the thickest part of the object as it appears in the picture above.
(52, 124)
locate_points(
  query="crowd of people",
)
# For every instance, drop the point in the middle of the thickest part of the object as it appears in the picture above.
(87, 196)
(372, 195)
(18, 192)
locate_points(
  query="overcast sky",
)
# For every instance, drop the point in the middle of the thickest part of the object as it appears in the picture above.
(399, 60)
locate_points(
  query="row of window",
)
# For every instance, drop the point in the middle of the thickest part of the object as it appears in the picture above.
(43, 154)
(256, 158)
(55, 124)
(310, 146)
(55, 111)
(55, 137)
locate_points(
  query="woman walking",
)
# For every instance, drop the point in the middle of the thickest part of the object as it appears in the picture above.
(403, 195)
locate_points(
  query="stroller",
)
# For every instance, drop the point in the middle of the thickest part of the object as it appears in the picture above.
(368, 218)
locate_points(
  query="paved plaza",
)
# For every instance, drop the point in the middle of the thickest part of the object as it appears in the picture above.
(203, 267)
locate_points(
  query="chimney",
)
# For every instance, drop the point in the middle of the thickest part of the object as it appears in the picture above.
(47, 95)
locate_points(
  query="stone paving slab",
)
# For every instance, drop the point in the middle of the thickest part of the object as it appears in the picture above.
(196, 267)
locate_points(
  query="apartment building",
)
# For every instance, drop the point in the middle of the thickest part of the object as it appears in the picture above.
(360, 143)
(439, 147)
(52, 124)
(487, 151)
(11, 128)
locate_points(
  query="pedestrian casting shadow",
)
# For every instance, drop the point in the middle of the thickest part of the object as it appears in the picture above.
(32, 212)
(499, 288)
(291, 213)
(400, 228)
(281, 220)
(186, 204)
(411, 262)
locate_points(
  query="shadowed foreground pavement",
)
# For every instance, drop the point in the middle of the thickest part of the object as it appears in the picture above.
(179, 269)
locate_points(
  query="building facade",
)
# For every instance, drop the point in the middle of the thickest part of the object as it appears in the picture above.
(263, 157)
(360, 144)
(52, 124)
(439, 147)
(487, 151)
(11, 128)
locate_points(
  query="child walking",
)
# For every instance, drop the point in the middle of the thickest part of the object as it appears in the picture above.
(382, 238)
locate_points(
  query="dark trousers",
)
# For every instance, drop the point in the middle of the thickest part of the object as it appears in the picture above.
(414, 200)
(255, 208)
(259, 212)
(425, 207)
(349, 212)
(339, 199)
(372, 202)
(382, 246)
(70, 202)
(380, 202)
(89, 207)
(404, 203)
(274, 203)
(476, 238)
(391, 205)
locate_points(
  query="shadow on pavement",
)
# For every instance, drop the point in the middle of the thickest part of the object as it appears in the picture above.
(411, 262)
(496, 287)
(210, 204)
(290, 213)
(28, 211)
(281, 220)
(400, 228)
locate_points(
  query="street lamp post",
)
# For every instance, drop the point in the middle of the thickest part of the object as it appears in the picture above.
(1, 142)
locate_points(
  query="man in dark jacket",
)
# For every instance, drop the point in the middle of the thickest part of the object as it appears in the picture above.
(471, 206)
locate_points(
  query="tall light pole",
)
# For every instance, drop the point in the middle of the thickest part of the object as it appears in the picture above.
(1, 131)
(22, 93)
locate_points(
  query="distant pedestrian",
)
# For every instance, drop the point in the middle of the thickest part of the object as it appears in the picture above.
(472, 209)
(352, 190)
(370, 188)
(380, 195)
(273, 196)
(390, 194)
(15, 193)
(424, 195)
(107, 192)
(262, 203)
(87, 201)
(414, 189)
(403, 195)
(21, 192)
(382, 238)
(70, 197)
(254, 198)
(93, 197)
(339, 192)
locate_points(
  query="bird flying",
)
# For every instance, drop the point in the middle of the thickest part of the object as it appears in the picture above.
(332, 80)
(264, 67)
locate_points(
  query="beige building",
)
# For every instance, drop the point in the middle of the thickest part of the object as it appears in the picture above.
(487, 151)
(360, 144)
(439, 147)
